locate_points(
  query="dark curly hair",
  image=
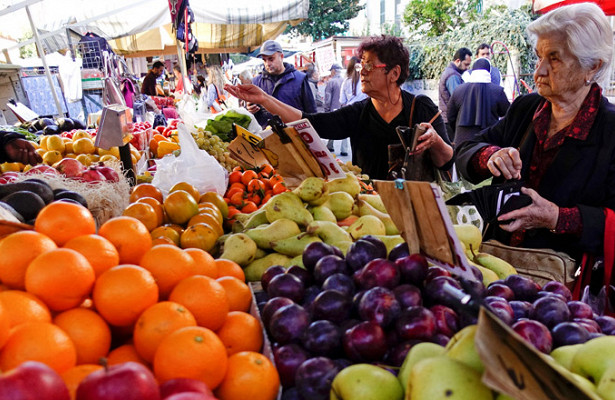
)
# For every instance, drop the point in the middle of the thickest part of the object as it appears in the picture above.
(391, 51)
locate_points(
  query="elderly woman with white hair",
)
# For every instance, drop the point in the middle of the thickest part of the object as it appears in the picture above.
(560, 141)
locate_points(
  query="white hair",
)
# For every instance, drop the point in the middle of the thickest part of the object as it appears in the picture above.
(589, 35)
(245, 74)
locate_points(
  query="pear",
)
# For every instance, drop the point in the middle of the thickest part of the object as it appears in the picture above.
(320, 201)
(488, 275)
(322, 213)
(298, 261)
(606, 385)
(311, 189)
(254, 271)
(329, 232)
(418, 352)
(340, 203)
(350, 184)
(287, 205)
(373, 200)
(442, 377)
(502, 396)
(470, 235)
(366, 209)
(496, 264)
(366, 225)
(461, 348)
(588, 386)
(239, 248)
(594, 358)
(294, 245)
(260, 253)
(257, 218)
(564, 354)
(367, 382)
(343, 246)
(390, 241)
(277, 230)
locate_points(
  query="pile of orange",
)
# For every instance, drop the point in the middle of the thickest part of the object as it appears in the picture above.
(184, 218)
(71, 296)
(249, 189)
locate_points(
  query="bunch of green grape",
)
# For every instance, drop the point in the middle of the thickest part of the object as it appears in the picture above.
(216, 147)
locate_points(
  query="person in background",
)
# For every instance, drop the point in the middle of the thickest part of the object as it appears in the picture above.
(313, 78)
(282, 81)
(149, 85)
(370, 123)
(201, 84)
(558, 140)
(451, 78)
(332, 94)
(484, 51)
(15, 148)
(216, 95)
(182, 85)
(476, 104)
(351, 92)
(245, 77)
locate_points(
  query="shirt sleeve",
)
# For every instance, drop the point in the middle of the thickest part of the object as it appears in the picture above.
(452, 83)
(569, 221)
(343, 95)
(479, 161)
(338, 124)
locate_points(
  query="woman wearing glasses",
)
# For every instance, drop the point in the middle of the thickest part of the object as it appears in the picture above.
(370, 124)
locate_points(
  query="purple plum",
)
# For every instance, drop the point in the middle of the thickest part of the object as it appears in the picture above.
(559, 288)
(578, 309)
(535, 333)
(365, 342)
(435, 293)
(381, 249)
(589, 324)
(314, 377)
(440, 339)
(360, 253)
(607, 324)
(524, 288)
(288, 324)
(322, 338)
(399, 251)
(303, 274)
(567, 333)
(521, 309)
(416, 323)
(500, 290)
(286, 285)
(379, 272)
(380, 306)
(273, 305)
(397, 354)
(331, 305)
(413, 269)
(340, 282)
(269, 273)
(327, 266)
(434, 272)
(408, 295)
(310, 294)
(287, 359)
(550, 310)
(501, 309)
(314, 252)
(447, 321)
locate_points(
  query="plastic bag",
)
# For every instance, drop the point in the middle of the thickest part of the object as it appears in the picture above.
(193, 165)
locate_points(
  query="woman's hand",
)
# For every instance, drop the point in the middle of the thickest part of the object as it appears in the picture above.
(507, 162)
(428, 139)
(540, 214)
(250, 93)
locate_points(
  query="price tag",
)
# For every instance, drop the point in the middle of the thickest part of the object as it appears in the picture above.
(308, 134)
(248, 148)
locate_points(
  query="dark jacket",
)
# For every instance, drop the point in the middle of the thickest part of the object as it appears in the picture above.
(582, 174)
(148, 86)
(443, 94)
(290, 87)
(6, 138)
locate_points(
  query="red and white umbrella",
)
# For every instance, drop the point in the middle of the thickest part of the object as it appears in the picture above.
(544, 6)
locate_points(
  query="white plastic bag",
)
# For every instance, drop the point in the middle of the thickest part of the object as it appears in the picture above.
(193, 165)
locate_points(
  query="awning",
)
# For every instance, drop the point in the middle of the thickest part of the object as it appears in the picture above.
(544, 6)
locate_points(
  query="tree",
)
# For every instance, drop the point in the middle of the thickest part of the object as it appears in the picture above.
(435, 17)
(327, 18)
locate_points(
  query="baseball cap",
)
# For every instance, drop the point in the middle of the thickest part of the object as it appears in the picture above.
(336, 66)
(270, 47)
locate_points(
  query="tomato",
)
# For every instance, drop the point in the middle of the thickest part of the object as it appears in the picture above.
(255, 185)
(279, 187)
(237, 199)
(255, 198)
(248, 175)
(249, 207)
(234, 177)
(275, 179)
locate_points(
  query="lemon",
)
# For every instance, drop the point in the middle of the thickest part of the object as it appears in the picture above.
(51, 157)
(84, 159)
(55, 143)
(114, 151)
(68, 145)
(81, 134)
(43, 143)
(94, 158)
(70, 155)
(107, 157)
(83, 146)
(9, 166)
(41, 152)
(27, 168)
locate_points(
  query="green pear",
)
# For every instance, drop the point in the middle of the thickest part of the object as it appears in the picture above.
(294, 245)
(374, 200)
(390, 241)
(329, 232)
(496, 264)
(564, 355)
(488, 275)
(584, 383)
(344, 246)
(340, 203)
(322, 213)
(277, 230)
(287, 205)
(257, 218)
(311, 189)
(240, 248)
(366, 225)
(365, 382)
(320, 201)
(502, 396)
(461, 348)
(594, 358)
(366, 209)
(442, 377)
(260, 253)
(418, 352)
(350, 184)
(298, 261)
(470, 235)
(254, 271)
(606, 385)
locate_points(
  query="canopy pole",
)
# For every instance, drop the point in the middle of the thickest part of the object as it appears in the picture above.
(41, 52)
(182, 62)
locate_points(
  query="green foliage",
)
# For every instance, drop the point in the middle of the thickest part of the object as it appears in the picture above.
(327, 18)
(28, 50)
(435, 17)
(430, 56)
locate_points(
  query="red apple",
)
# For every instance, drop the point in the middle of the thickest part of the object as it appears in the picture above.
(92, 175)
(183, 385)
(70, 167)
(32, 380)
(125, 381)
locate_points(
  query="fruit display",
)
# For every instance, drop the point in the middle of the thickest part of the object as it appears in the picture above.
(49, 126)
(364, 180)
(73, 294)
(216, 147)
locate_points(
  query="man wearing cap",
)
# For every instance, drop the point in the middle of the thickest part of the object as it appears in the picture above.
(282, 81)
(332, 96)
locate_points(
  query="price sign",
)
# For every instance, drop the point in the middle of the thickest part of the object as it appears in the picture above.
(245, 148)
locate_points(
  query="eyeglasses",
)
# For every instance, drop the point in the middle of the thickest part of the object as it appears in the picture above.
(368, 66)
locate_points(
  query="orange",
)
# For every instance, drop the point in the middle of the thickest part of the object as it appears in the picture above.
(18, 250)
(199, 235)
(234, 177)
(156, 205)
(156, 323)
(237, 292)
(38, 341)
(125, 353)
(72, 377)
(249, 375)
(122, 293)
(167, 232)
(129, 236)
(88, 331)
(180, 206)
(144, 213)
(62, 278)
(205, 298)
(194, 192)
(192, 352)
(230, 268)
(168, 265)
(247, 176)
(215, 198)
(100, 252)
(62, 221)
(162, 240)
(241, 332)
(145, 190)
(5, 325)
(20, 307)
(209, 219)
(204, 263)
